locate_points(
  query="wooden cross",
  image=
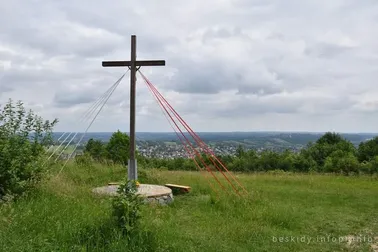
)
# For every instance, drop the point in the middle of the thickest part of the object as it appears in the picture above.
(133, 64)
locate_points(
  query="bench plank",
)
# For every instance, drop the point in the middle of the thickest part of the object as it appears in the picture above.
(180, 186)
(183, 188)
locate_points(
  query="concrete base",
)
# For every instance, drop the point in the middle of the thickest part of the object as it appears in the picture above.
(155, 194)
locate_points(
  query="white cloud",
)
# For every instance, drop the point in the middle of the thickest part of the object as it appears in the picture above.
(231, 64)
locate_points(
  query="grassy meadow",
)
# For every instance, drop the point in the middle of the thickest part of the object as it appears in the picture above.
(63, 215)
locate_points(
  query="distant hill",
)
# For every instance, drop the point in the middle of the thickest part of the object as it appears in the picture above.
(251, 139)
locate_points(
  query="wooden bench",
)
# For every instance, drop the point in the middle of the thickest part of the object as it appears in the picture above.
(180, 188)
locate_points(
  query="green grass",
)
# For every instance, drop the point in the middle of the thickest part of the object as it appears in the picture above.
(63, 215)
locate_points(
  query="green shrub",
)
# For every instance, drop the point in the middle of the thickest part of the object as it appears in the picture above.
(370, 167)
(366, 167)
(341, 161)
(23, 140)
(303, 163)
(126, 208)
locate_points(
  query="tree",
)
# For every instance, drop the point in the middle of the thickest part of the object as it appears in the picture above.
(189, 165)
(286, 161)
(326, 145)
(331, 138)
(226, 159)
(96, 149)
(247, 161)
(23, 140)
(176, 164)
(118, 148)
(303, 162)
(268, 160)
(368, 150)
(237, 164)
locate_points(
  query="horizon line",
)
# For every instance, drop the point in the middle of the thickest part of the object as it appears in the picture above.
(261, 131)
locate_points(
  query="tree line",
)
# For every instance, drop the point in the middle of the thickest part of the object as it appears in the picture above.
(331, 153)
(25, 139)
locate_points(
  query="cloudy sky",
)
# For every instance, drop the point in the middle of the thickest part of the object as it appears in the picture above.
(231, 65)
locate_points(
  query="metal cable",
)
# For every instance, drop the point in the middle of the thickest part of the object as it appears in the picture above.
(92, 121)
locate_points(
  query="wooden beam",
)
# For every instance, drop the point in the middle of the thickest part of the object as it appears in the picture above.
(133, 65)
(132, 165)
(181, 188)
(138, 63)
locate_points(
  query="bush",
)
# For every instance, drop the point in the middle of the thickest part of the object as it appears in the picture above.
(268, 160)
(374, 165)
(370, 167)
(126, 208)
(286, 161)
(23, 140)
(341, 161)
(237, 164)
(303, 163)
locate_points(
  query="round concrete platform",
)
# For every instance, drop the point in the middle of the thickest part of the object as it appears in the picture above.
(152, 193)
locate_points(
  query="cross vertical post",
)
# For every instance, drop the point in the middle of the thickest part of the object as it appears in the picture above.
(132, 163)
(133, 64)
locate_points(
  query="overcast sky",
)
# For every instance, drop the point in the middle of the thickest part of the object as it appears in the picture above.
(231, 65)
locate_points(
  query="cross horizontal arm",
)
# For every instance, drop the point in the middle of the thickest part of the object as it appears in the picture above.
(137, 63)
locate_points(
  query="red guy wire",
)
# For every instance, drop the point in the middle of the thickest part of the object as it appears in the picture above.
(197, 153)
(186, 148)
(191, 133)
(196, 137)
